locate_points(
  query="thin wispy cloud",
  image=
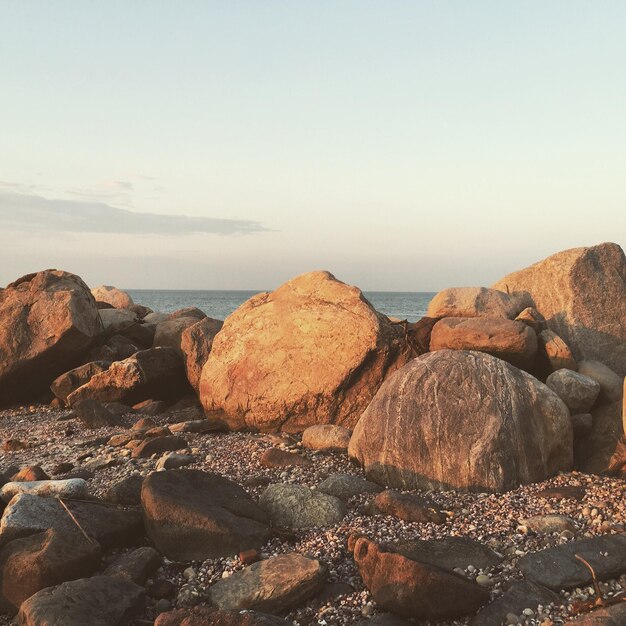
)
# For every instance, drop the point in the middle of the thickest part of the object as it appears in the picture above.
(23, 211)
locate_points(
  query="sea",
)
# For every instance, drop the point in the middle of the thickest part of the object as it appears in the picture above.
(404, 305)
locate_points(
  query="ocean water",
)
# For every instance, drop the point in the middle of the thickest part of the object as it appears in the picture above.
(220, 304)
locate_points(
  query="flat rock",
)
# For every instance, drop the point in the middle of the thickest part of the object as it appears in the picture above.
(126, 491)
(557, 568)
(297, 506)
(172, 460)
(70, 488)
(158, 445)
(548, 524)
(514, 342)
(273, 365)
(579, 392)
(97, 601)
(462, 420)
(326, 437)
(136, 566)
(519, 596)
(413, 589)
(70, 381)
(27, 514)
(346, 486)
(272, 586)
(210, 616)
(473, 302)
(195, 515)
(407, 507)
(275, 457)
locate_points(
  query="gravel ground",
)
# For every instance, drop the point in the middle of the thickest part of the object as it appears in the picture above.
(52, 438)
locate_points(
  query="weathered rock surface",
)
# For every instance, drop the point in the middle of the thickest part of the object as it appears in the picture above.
(43, 560)
(548, 523)
(117, 298)
(156, 373)
(579, 392)
(609, 616)
(69, 488)
(170, 332)
(510, 341)
(275, 457)
(158, 445)
(558, 568)
(406, 506)
(326, 437)
(65, 384)
(582, 294)
(611, 385)
(274, 364)
(136, 566)
(97, 601)
(116, 321)
(413, 589)
(27, 514)
(473, 302)
(553, 354)
(297, 506)
(196, 342)
(48, 321)
(209, 616)
(195, 515)
(272, 586)
(465, 420)
(93, 414)
(346, 486)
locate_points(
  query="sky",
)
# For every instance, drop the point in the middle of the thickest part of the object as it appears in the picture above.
(406, 146)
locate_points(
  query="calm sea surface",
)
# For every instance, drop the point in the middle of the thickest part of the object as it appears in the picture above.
(220, 304)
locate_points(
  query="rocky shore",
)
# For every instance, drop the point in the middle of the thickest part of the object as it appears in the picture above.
(311, 461)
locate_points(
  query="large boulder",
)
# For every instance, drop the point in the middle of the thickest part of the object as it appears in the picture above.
(48, 321)
(196, 342)
(582, 294)
(112, 295)
(156, 373)
(463, 420)
(65, 384)
(195, 515)
(473, 302)
(510, 341)
(312, 352)
(578, 391)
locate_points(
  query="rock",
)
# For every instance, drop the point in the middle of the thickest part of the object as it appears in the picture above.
(116, 348)
(275, 457)
(273, 364)
(116, 321)
(581, 294)
(579, 392)
(42, 560)
(150, 407)
(553, 354)
(449, 553)
(582, 423)
(531, 317)
(566, 492)
(119, 409)
(30, 473)
(72, 488)
(519, 596)
(594, 453)
(97, 601)
(610, 616)
(48, 321)
(209, 616)
(170, 332)
(346, 486)
(140, 334)
(65, 384)
(472, 302)
(112, 295)
(510, 341)
(196, 342)
(465, 420)
(549, 524)
(273, 586)
(197, 426)
(413, 589)
(194, 515)
(94, 415)
(27, 514)
(143, 423)
(297, 506)
(611, 385)
(136, 566)
(384, 619)
(407, 507)
(171, 460)
(126, 491)
(156, 373)
(158, 445)
(326, 437)
(189, 311)
(557, 568)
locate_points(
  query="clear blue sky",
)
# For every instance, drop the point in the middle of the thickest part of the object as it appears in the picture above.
(400, 145)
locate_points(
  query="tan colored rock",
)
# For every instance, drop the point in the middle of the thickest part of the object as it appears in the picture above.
(65, 384)
(611, 385)
(113, 296)
(473, 302)
(170, 332)
(582, 294)
(462, 420)
(312, 352)
(510, 341)
(48, 321)
(195, 343)
(532, 318)
(326, 437)
(554, 353)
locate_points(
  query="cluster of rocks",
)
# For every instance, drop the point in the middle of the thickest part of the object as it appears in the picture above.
(496, 388)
